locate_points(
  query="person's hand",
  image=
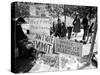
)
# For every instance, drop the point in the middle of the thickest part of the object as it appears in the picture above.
(28, 46)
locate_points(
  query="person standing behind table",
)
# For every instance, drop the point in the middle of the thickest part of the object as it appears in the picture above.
(69, 26)
(63, 29)
(58, 29)
(54, 27)
(90, 33)
(85, 27)
(77, 25)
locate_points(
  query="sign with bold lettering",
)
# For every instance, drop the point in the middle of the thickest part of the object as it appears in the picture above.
(39, 25)
(68, 47)
(42, 42)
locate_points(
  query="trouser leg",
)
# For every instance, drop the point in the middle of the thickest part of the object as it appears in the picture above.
(85, 34)
(69, 32)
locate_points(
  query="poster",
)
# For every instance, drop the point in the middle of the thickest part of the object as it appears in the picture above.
(39, 25)
(68, 47)
(42, 42)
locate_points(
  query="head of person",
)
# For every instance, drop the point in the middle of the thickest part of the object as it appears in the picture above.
(63, 24)
(77, 16)
(59, 21)
(20, 21)
(86, 15)
(54, 23)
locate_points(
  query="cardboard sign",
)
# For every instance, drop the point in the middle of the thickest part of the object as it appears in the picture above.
(52, 60)
(39, 25)
(42, 42)
(68, 47)
(42, 37)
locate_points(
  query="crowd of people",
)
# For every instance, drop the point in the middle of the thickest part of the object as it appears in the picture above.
(62, 29)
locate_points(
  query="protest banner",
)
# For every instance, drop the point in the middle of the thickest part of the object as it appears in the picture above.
(52, 60)
(42, 42)
(42, 37)
(68, 47)
(39, 25)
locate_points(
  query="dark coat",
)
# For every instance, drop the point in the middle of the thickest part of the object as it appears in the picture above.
(58, 30)
(85, 22)
(63, 31)
(77, 25)
(19, 33)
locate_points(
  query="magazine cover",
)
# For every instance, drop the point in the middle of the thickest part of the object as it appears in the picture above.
(53, 37)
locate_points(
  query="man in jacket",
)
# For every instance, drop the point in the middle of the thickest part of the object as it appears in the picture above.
(20, 36)
(85, 27)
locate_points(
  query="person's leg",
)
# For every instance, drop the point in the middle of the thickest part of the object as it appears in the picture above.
(55, 32)
(87, 38)
(75, 35)
(87, 35)
(84, 34)
(91, 38)
(70, 31)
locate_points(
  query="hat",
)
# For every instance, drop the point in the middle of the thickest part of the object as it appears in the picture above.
(21, 20)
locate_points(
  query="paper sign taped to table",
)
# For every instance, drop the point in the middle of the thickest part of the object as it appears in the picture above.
(68, 47)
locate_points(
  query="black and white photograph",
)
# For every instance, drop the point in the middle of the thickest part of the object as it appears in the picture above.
(49, 37)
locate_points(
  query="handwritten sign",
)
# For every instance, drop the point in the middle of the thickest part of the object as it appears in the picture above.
(39, 25)
(42, 42)
(68, 47)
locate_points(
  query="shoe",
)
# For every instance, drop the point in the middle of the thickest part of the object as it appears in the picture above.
(76, 40)
(84, 42)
